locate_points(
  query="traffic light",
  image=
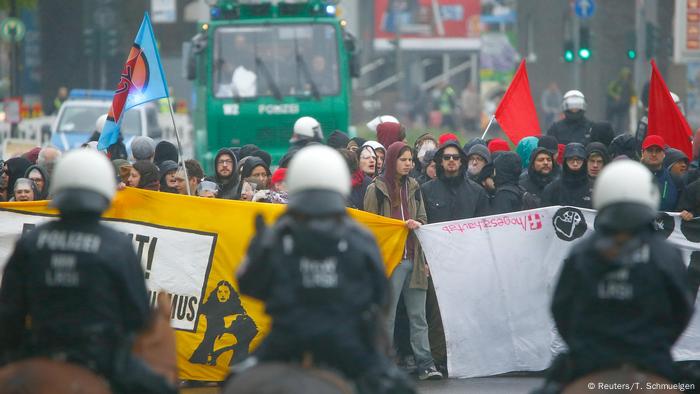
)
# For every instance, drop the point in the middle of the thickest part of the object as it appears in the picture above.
(89, 42)
(652, 37)
(631, 45)
(584, 43)
(568, 51)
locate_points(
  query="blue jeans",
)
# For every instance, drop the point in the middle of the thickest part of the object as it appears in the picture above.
(414, 299)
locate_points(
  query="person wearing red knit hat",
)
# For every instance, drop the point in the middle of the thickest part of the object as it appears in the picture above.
(498, 145)
(277, 180)
(447, 137)
(390, 132)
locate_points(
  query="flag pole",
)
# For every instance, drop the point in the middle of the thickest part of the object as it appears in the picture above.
(179, 147)
(488, 126)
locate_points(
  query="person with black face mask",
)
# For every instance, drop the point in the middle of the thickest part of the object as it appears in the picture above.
(575, 127)
(574, 187)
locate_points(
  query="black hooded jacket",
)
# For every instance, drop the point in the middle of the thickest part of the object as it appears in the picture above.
(509, 194)
(534, 182)
(572, 129)
(16, 167)
(573, 188)
(451, 198)
(228, 186)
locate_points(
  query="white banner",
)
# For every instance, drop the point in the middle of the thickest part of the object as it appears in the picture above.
(494, 277)
(174, 260)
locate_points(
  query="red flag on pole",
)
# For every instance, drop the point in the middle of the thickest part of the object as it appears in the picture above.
(665, 118)
(516, 113)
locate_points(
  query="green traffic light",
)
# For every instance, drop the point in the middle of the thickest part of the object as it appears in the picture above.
(584, 53)
(569, 56)
(631, 54)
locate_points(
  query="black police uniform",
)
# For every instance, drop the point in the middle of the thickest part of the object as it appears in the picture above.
(81, 287)
(630, 310)
(322, 281)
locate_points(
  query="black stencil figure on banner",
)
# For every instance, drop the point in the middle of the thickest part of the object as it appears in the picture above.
(221, 303)
(569, 223)
(665, 224)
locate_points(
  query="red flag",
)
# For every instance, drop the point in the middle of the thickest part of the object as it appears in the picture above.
(516, 113)
(665, 118)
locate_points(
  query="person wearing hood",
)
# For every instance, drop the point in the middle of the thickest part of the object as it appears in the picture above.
(380, 152)
(624, 145)
(367, 161)
(168, 181)
(597, 158)
(144, 175)
(338, 140)
(575, 127)
(256, 177)
(540, 173)
(478, 156)
(355, 143)
(653, 156)
(423, 144)
(25, 190)
(451, 195)
(428, 168)
(574, 187)
(15, 168)
(165, 150)
(676, 162)
(226, 176)
(390, 132)
(509, 194)
(524, 150)
(396, 195)
(41, 179)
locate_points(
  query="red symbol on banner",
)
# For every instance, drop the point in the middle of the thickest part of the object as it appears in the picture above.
(535, 222)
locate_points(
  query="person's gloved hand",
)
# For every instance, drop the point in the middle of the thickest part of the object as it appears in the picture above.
(261, 195)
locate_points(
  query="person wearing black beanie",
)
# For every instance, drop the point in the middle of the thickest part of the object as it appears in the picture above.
(165, 150)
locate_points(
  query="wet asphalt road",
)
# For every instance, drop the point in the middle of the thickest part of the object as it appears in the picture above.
(498, 385)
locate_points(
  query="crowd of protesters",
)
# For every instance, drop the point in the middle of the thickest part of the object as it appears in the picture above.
(437, 178)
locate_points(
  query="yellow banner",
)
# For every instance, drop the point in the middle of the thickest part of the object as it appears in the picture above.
(223, 227)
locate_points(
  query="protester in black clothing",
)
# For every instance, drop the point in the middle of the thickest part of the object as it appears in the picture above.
(226, 176)
(74, 289)
(575, 127)
(539, 174)
(574, 187)
(428, 168)
(451, 196)
(623, 296)
(509, 194)
(597, 158)
(676, 162)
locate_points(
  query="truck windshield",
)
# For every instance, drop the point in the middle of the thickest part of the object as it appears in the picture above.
(81, 119)
(292, 60)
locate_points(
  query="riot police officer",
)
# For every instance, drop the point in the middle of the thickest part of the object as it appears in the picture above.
(623, 295)
(79, 283)
(320, 275)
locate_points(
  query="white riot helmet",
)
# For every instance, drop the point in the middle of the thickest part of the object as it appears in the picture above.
(318, 181)
(626, 196)
(100, 124)
(308, 127)
(83, 181)
(573, 99)
(372, 124)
